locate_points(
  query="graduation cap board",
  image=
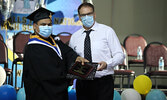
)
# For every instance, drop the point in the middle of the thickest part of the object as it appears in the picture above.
(83, 72)
(39, 14)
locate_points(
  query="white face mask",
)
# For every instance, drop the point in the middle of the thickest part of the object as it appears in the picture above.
(45, 31)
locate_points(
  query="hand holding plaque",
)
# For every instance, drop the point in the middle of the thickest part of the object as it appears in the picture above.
(85, 72)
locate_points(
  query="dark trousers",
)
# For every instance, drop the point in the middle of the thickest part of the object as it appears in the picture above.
(97, 89)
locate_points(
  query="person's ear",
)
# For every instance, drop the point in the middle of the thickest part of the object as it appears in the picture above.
(79, 17)
(94, 15)
(34, 26)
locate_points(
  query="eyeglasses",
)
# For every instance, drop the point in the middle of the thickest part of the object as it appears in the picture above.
(88, 14)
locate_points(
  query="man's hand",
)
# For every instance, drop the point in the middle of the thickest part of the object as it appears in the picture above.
(81, 59)
(103, 65)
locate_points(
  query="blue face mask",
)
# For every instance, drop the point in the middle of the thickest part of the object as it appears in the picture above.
(45, 31)
(87, 21)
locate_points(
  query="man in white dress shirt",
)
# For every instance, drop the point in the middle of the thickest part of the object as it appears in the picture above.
(105, 49)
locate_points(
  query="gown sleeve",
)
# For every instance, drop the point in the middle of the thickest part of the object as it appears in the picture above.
(69, 55)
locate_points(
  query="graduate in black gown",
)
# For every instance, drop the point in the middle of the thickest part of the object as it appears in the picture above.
(46, 61)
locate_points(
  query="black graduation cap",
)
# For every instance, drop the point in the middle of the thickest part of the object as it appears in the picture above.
(39, 14)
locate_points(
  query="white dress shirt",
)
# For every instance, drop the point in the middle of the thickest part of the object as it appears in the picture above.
(105, 46)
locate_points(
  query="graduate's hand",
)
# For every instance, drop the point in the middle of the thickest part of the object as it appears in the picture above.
(103, 65)
(81, 59)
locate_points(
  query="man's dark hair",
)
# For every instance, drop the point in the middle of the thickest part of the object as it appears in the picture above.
(85, 5)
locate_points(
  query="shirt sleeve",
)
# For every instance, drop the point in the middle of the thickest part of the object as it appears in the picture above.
(115, 49)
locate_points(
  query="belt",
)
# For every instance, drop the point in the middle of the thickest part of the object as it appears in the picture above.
(105, 77)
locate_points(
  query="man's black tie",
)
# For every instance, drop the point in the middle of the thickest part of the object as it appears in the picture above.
(87, 47)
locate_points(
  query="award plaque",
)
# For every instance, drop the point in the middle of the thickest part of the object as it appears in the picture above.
(79, 71)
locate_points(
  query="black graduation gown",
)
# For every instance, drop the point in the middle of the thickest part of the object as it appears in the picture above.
(44, 72)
